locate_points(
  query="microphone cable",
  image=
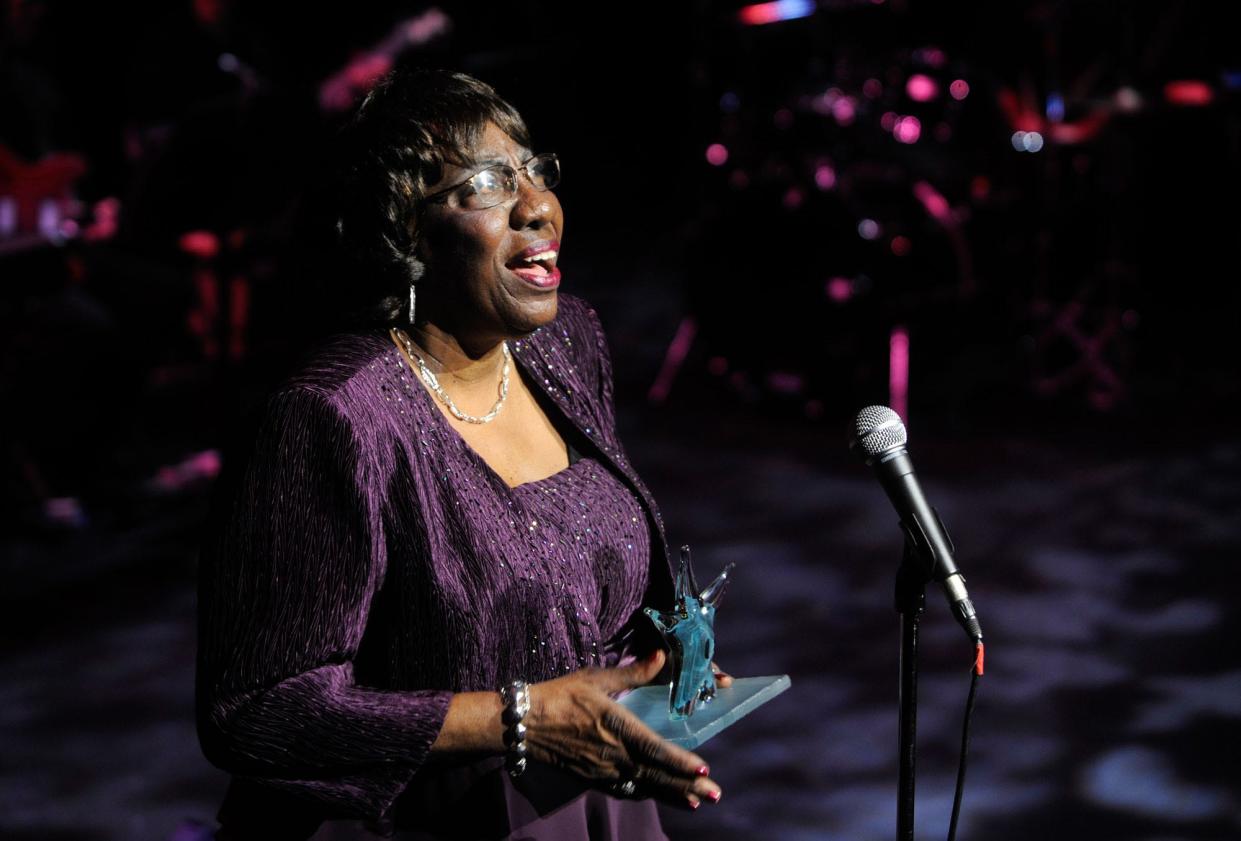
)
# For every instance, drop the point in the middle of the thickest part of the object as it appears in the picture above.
(975, 673)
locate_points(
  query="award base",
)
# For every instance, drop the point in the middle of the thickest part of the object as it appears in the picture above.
(730, 704)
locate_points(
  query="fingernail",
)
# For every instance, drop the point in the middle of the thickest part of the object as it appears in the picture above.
(703, 771)
(715, 796)
(693, 804)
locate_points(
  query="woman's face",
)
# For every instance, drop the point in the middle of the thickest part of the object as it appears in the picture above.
(480, 285)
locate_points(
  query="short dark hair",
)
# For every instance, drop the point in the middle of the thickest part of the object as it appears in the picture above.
(380, 165)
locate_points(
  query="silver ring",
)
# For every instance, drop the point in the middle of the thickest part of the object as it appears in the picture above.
(626, 788)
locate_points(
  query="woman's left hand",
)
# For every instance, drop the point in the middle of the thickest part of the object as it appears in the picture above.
(722, 678)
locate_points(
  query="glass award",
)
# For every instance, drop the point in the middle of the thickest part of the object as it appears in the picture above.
(691, 709)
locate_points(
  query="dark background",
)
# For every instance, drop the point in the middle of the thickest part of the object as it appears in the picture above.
(1073, 392)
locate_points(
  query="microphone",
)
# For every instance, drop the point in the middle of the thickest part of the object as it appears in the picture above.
(879, 438)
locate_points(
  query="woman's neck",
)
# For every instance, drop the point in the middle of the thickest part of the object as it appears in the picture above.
(466, 361)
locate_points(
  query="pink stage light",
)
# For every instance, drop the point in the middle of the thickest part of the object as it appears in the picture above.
(1188, 92)
(901, 246)
(898, 372)
(933, 200)
(201, 244)
(762, 13)
(717, 154)
(931, 56)
(824, 177)
(194, 468)
(921, 88)
(844, 110)
(822, 104)
(959, 89)
(678, 349)
(106, 220)
(785, 382)
(872, 88)
(907, 129)
(839, 289)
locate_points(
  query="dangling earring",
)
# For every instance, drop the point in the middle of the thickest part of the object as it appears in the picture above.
(415, 269)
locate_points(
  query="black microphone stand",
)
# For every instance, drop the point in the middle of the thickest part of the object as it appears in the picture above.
(911, 581)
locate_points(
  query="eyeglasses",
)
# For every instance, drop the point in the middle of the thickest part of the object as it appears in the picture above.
(497, 184)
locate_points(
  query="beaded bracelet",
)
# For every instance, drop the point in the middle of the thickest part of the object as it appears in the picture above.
(516, 698)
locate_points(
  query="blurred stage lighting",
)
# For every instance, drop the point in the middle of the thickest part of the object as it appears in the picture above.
(921, 88)
(868, 229)
(762, 13)
(1055, 107)
(1188, 92)
(907, 129)
(1027, 141)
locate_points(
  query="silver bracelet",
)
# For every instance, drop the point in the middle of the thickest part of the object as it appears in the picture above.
(516, 698)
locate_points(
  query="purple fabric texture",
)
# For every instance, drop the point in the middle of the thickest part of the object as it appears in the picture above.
(364, 563)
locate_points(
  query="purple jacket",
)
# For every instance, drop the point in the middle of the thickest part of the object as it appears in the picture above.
(347, 585)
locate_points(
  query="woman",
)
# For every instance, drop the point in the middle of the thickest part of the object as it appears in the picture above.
(436, 507)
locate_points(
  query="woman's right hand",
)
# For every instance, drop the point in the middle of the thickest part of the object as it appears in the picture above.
(575, 725)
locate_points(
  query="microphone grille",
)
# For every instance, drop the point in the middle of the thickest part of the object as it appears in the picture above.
(878, 429)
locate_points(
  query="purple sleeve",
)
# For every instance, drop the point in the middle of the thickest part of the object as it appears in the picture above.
(293, 559)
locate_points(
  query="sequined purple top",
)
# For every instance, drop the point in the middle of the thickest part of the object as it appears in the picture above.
(364, 563)
(589, 542)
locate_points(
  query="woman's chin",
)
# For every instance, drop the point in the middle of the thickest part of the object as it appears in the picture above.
(539, 312)
(524, 308)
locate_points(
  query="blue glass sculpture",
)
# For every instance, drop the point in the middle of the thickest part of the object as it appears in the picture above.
(689, 632)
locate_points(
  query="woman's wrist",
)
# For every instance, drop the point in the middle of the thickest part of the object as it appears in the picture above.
(472, 725)
(516, 699)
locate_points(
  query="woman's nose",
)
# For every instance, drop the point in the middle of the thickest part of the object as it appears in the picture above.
(533, 208)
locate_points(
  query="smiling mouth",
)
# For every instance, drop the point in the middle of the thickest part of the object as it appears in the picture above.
(537, 264)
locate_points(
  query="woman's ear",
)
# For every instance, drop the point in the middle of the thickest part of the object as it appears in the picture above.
(415, 259)
(415, 269)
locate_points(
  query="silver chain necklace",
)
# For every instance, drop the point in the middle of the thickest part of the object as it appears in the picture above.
(433, 383)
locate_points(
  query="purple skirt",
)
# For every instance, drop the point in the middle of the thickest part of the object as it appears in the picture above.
(472, 801)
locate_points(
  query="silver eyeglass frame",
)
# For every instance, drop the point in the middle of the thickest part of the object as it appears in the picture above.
(441, 196)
